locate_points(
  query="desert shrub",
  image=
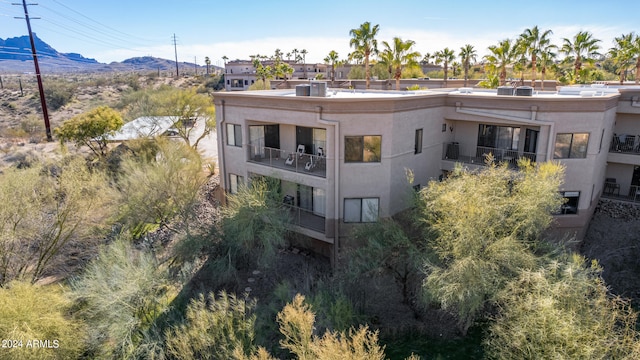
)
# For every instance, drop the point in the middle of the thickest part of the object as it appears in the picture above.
(46, 207)
(33, 312)
(296, 321)
(58, 94)
(121, 296)
(214, 328)
(155, 191)
(91, 128)
(562, 311)
(254, 222)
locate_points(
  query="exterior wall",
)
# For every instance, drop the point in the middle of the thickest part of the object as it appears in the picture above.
(396, 119)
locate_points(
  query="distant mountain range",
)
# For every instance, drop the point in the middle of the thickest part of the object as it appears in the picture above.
(15, 57)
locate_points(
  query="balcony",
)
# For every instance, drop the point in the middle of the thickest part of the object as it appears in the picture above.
(613, 192)
(626, 144)
(296, 161)
(307, 219)
(477, 155)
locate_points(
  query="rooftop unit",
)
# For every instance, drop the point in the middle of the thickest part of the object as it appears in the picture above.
(505, 90)
(524, 91)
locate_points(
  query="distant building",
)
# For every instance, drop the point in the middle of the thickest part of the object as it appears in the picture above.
(341, 155)
(241, 74)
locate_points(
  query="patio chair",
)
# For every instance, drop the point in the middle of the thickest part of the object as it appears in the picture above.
(300, 150)
(289, 160)
(310, 164)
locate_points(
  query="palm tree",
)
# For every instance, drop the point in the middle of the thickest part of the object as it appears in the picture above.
(207, 61)
(295, 54)
(532, 41)
(547, 59)
(467, 55)
(445, 56)
(581, 48)
(401, 55)
(363, 39)
(635, 51)
(385, 57)
(356, 56)
(333, 60)
(502, 55)
(304, 61)
(621, 54)
(225, 58)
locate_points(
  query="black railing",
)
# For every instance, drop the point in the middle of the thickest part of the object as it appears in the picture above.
(628, 144)
(478, 155)
(307, 219)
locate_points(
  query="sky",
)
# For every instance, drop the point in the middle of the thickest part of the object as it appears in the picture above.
(115, 30)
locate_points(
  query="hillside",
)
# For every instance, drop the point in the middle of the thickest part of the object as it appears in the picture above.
(16, 58)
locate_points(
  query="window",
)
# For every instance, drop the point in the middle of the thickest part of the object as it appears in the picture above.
(571, 146)
(418, 143)
(361, 210)
(236, 82)
(234, 182)
(362, 148)
(234, 135)
(498, 137)
(246, 82)
(570, 205)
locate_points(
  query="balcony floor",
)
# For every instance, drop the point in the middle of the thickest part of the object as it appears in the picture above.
(297, 166)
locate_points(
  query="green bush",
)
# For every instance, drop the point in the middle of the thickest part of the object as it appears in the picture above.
(58, 94)
(31, 312)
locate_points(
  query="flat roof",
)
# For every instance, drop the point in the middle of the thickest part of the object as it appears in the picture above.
(144, 127)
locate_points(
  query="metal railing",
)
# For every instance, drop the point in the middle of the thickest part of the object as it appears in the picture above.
(613, 192)
(478, 154)
(288, 160)
(628, 144)
(307, 219)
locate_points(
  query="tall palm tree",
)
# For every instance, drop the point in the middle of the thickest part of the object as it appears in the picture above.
(635, 51)
(333, 60)
(225, 58)
(501, 56)
(445, 56)
(401, 55)
(533, 40)
(385, 57)
(583, 47)
(547, 59)
(304, 53)
(621, 54)
(467, 55)
(363, 39)
(207, 61)
(295, 54)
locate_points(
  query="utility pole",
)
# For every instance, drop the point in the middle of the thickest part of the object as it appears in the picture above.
(175, 48)
(43, 101)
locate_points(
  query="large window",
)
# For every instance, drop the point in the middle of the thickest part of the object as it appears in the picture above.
(234, 135)
(362, 148)
(570, 206)
(234, 182)
(418, 142)
(571, 146)
(498, 137)
(361, 210)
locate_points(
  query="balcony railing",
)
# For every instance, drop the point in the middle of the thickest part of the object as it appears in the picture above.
(307, 219)
(288, 160)
(613, 192)
(628, 144)
(478, 155)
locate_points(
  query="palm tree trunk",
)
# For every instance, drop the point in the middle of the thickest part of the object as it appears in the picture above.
(638, 71)
(533, 70)
(544, 71)
(466, 74)
(366, 71)
(446, 72)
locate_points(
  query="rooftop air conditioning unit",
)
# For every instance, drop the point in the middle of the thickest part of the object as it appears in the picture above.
(465, 90)
(303, 90)
(319, 88)
(524, 91)
(505, 90)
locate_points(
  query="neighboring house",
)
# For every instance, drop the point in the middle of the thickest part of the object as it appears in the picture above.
(342, 155)
(145, 127)
(241, 74)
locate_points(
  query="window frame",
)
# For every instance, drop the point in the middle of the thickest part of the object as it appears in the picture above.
(236, 137)
(558, 152)
(361, 158)
(239, 180)
(362, 216)
(417, 148)
(566, 209)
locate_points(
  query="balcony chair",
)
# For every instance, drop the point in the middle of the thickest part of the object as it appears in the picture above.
(290, 159)
(300, 151)
(310, 164)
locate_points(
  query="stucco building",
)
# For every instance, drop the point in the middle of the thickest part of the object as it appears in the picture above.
(342, 155)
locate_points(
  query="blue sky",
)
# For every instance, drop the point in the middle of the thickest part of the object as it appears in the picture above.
(114, 30)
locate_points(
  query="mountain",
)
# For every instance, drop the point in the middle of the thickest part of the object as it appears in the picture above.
(15, 57)
(19, 48)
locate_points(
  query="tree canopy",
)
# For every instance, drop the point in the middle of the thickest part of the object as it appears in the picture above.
(91, 128)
